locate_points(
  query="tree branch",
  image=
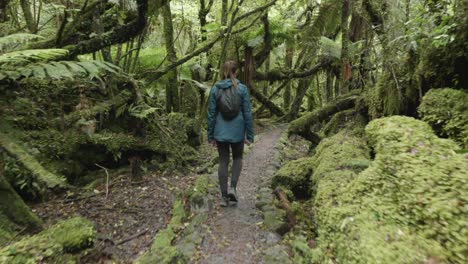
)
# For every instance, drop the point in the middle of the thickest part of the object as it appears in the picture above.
(278, 76)
(154, 75)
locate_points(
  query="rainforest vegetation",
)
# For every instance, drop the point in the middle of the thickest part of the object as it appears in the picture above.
(103, 152)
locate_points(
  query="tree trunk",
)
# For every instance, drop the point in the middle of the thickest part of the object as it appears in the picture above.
(329, 86)
(3, 10)
(12, 207)
(289, 64)
(224, 12)
(172, 87)
(28, 16)
(300, 93)
(346, 71)
(202, 13)
(267, 82)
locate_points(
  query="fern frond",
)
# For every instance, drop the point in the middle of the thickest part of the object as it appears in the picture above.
(15, 41)
(60, 70)
(330, 48)
(23, 57)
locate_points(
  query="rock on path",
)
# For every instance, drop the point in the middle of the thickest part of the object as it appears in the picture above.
(234, 234)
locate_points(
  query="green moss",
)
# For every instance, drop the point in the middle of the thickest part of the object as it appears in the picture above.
(49, 179)
(14, 213)
(408, 206)
(341, 152)
(349, 119)
(162, 250)
(294, 176)
(446, 110)
(65, 237)
(190, 99)
(385, 98)
(199, 191)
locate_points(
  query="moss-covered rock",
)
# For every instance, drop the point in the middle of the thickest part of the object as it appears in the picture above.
(408, 206)
(294, 176)
(65, 237)
(446, 110)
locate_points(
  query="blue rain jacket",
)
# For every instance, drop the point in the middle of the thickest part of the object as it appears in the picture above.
(237, 129)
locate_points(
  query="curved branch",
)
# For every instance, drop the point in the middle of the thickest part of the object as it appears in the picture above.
(278, 76)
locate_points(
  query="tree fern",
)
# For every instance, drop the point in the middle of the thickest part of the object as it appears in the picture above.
(60, 70)
(20, 58)
(15, 41)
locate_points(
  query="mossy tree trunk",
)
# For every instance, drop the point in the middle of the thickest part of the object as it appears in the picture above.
(304, 125)
(3, 10)
(346, 71)
(172, 86)
(12, 207)
(28, 16)
(202, 13)
(289, 64)
(224, 13)
(300, 93)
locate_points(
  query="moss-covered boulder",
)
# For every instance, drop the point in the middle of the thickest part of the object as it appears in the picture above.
(446, 110)
(65, 237)
(408, 206)
(294, 175)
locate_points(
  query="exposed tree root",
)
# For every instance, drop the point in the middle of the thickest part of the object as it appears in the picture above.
(284, 202)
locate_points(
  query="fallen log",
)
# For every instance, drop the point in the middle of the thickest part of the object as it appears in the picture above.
(50, 246)
(284, 202)
(275, 93)
(45, 177)
(303, 125)
(276, 110)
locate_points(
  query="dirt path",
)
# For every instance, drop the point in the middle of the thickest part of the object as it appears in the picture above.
(234, 234)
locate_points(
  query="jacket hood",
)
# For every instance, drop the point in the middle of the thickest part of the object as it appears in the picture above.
(226, 83)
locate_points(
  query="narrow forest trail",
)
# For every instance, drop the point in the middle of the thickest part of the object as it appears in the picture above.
(235, 234)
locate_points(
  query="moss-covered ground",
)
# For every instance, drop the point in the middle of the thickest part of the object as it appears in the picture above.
(405, 206)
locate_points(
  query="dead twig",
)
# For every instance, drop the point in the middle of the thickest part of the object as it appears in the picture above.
(125, 240)
(107, 178)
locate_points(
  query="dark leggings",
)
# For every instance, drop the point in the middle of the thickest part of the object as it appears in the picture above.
(237, 151)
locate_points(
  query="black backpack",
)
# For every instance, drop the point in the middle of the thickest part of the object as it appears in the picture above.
(228, 103)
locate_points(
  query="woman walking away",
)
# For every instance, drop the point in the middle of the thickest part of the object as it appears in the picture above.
(230, 125)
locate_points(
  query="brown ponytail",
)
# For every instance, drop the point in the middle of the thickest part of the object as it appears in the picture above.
(228, 70)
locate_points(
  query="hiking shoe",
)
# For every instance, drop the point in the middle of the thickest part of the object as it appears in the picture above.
(232, 194)
(224, 201)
